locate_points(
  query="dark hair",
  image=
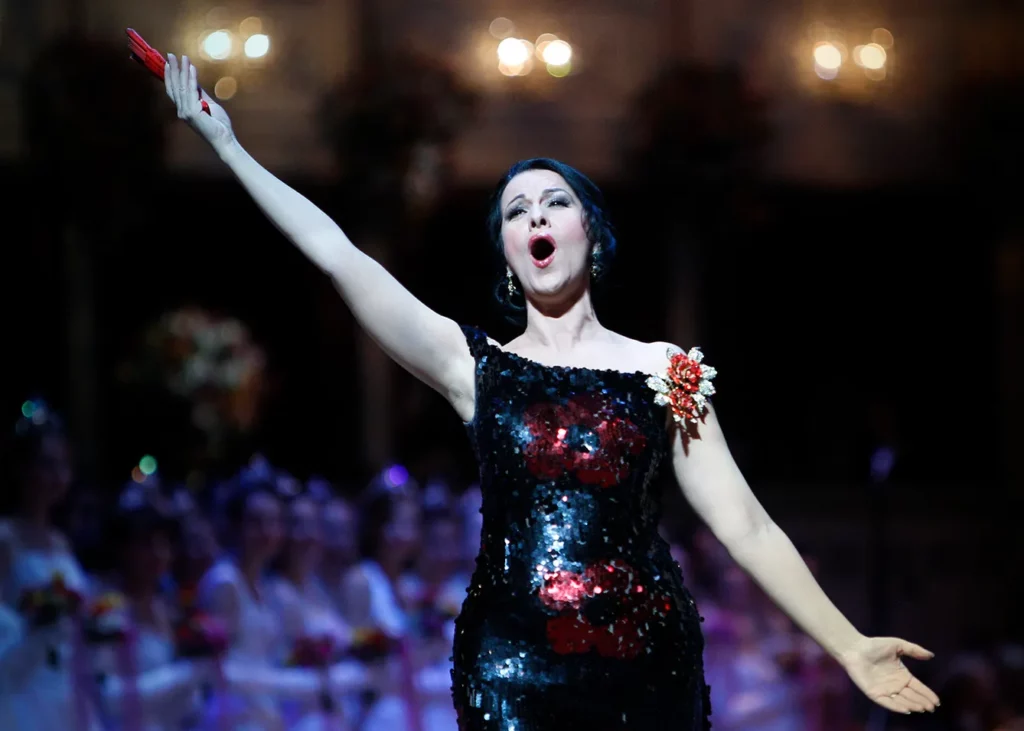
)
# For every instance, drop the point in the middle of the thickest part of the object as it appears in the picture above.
(36, 423)
(595, 222)
(256, 478)
(377, 505)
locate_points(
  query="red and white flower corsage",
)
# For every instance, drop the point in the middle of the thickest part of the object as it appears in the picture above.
(686, 385)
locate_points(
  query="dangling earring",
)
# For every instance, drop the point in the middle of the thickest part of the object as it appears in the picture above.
(594, 253)
(511, 284)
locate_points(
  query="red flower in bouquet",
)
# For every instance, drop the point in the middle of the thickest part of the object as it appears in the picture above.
(200, 635)
(107, 619)
(312, 652)
(372, 643)
(45, 605)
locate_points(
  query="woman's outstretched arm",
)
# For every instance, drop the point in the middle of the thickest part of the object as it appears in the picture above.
(718, 492)
(429, 346)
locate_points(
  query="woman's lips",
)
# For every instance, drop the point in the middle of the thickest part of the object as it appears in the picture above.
(544, 243)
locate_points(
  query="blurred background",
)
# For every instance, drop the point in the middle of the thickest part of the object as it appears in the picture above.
(822, 195)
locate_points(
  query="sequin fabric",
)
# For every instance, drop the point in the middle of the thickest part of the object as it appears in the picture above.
(576, 618)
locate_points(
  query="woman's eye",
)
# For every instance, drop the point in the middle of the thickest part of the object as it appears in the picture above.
(514, 213)
(564, 202)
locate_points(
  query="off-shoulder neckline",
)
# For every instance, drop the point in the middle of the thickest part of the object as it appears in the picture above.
(525, 360)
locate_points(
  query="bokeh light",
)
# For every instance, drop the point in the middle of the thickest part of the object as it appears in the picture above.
(513, 52)
(542, 42)
(872, 56)
(883, 38)
(256, 46)
(147, 465)
(502, 28)
(218, 45)
(828, 56)
(557, 53)
(226, 87)
(250, 26)
(560, 71)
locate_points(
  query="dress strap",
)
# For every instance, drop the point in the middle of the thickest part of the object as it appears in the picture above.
(477, 340)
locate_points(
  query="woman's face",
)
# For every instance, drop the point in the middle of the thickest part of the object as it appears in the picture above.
(542, 232)
(305, 534)
(149, 558)
(401, 534)
(48, 477)
(339, 532)
(198, 542)
(261, 525)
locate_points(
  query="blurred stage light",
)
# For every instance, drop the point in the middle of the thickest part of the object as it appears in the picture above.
(882, 37)
(872, 56)
(827, 56)
(256, 46)
(513, 52)
(250, 26)
(502, 28)
(226, 88)
(218, 45)
(543, 41)
(557, 53)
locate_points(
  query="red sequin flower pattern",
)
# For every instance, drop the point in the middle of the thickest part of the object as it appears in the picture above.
(583, 436)
(602, 608)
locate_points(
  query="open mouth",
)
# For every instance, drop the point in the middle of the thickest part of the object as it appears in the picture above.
(542, 248)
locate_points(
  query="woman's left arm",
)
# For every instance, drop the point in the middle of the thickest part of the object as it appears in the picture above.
(718, 492)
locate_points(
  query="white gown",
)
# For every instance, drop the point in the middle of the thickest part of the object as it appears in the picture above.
(167, 689)
(256, 684)
(309, 613)
(433, 682)
(34, 695)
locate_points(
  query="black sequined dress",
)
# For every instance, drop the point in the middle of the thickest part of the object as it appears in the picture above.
(576, 618)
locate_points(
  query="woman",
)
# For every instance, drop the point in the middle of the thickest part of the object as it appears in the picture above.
(576, 617)
(235, 592)
(304, 609)
(166, 688)
(40, 656)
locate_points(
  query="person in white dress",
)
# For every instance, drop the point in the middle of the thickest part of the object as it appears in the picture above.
(234, 591)
(157, 691)
(390, 537)
(305, 610)
(39, 662)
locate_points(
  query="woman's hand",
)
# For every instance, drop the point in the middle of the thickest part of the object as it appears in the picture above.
(877, 668)
(182, 83)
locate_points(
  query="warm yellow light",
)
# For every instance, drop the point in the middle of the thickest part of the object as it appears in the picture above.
(513, 52)
(557, 53)
(827, 56)
(226, 87)
(502, 28)
(882, 37)
(871, 56)
(250, 26)
(218, 45)
(256, 46)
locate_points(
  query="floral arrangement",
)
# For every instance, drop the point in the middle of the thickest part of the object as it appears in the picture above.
(199, 635)
(210, 361)
(312, 652)
(46, 605)
(372, 643)
(107, 619)
(686, 385)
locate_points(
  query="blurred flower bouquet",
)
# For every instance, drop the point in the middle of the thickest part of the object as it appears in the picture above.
(199, 635)
(209, 361)
(312, 652)
(107, 620)
(45, 605)
(372, 643)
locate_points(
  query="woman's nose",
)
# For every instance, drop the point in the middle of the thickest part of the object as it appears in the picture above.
(537, 219)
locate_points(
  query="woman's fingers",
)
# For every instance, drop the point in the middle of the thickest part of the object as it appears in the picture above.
(172, 80)
(167, 80)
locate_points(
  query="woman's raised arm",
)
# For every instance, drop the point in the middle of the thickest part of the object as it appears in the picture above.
(429, 346)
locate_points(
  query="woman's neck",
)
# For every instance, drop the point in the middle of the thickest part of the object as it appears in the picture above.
(392, 567)
(251, 568)
(297, 575)
(563, 326)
